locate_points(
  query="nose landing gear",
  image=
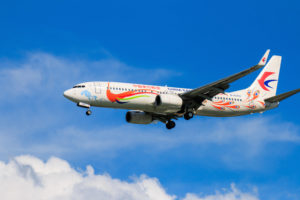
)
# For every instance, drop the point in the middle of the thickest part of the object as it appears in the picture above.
(85, 105)
(88, 112)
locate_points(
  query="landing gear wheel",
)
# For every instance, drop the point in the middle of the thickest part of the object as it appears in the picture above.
(170, 124)
(88, 112)
(188, 115)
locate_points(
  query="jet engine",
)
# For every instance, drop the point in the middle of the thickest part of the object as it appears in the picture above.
(138, 117)
(168, 103)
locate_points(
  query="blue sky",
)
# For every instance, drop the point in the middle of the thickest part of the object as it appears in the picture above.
(47, 47)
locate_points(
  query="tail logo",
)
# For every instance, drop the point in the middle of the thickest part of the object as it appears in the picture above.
(265, 83)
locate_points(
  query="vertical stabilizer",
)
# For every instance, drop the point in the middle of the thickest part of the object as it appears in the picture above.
(267, 81)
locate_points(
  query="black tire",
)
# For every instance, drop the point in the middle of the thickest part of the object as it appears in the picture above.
(88, 112)
(170, 124)
(188, 115)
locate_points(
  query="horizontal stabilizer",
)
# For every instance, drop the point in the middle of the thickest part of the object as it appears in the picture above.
(283, 96)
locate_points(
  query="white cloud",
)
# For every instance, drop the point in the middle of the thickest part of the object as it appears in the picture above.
(233, 194)
(237, 143)
(20, 80)
(50, 74)
(27, 177)
(234, 143)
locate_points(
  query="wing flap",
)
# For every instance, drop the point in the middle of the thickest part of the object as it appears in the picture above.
(283, 96)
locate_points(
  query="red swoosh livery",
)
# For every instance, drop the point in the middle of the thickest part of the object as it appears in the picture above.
(261, 81)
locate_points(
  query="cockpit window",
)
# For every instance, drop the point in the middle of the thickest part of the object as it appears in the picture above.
(79, 86)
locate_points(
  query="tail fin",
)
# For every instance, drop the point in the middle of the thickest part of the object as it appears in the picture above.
(267, 80)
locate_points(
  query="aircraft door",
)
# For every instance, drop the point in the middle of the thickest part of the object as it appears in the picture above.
(98, 88)
(99, 91)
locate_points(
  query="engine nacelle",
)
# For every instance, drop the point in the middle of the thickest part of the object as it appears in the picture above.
(138, 117)
(168, 103)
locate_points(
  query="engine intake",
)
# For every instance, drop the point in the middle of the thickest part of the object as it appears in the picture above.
(168, 103)
(138, 117)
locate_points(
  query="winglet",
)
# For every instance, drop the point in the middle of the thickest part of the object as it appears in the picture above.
(263, 60)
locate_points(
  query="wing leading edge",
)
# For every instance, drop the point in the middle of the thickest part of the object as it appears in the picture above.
(212, 89)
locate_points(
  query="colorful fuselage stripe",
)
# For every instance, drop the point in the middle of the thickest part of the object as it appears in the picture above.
(124, 97)
(221, 105)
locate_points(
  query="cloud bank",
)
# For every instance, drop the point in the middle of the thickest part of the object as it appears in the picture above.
(29, 178)
(36, 119)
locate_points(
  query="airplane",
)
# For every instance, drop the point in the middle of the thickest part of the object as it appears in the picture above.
(148, 103)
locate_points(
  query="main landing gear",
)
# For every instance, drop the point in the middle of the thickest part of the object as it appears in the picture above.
(88, 112)
(170, 124)
(188, 115)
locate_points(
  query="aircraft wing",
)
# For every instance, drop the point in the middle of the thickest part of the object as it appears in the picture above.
(212, 89)
(283, 96)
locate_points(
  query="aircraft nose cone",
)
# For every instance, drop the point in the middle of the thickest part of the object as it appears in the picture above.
(68, 94)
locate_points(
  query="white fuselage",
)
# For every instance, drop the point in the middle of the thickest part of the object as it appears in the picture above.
(142, 97)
